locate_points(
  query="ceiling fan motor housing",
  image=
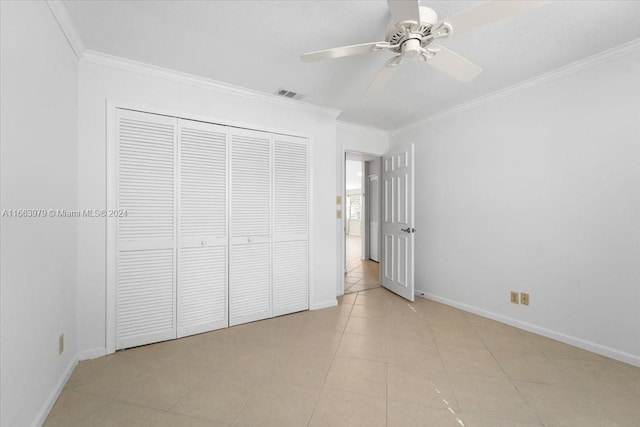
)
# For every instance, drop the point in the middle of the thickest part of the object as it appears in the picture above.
(409, 36)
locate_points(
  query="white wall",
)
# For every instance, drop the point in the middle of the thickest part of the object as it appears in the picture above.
(39, 80)
(354, 225)
(99, 82)
(362, 139)
(353, 174)
(539, 192)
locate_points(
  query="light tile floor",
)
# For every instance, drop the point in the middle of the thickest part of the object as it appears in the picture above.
(361, 274)
(375, 359)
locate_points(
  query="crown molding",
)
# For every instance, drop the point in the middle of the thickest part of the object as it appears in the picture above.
(65, 22)
(349, 125)
(67, 26)
(104, 59)
(624, 49)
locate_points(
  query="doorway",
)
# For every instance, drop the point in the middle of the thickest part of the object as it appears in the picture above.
(362, 212)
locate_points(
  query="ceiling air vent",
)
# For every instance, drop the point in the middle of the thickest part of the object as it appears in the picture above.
(289, 94)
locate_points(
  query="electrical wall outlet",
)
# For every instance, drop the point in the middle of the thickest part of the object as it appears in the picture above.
(338, 200)
(61, 344)
(338, 214)
(524, 298)
(514, 297)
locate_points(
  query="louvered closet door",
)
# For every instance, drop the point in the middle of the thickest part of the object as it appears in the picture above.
(250, 262)
(202, 253)
(145, 276)
(290, 221)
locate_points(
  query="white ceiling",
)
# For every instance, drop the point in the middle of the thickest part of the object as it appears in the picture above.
(257, 44)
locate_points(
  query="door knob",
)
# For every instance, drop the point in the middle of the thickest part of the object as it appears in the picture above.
(408, 230)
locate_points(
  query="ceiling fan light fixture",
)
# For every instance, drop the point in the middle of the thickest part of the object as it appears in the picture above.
(411, 48)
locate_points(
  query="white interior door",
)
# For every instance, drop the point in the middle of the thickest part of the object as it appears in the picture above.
(202, 250)
(145, 237)
(374, 215)
(250, 262)
(397, 225)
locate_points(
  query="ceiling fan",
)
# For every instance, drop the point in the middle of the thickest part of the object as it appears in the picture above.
(414, 29)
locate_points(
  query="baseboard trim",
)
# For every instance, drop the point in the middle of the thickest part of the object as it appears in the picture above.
(92, 353)
(55, 393)
(559, 336)
(324, 304)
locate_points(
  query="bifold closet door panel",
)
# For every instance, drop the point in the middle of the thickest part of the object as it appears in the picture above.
(203, 243)
(250, 290)
(290, 219)
(146, 236)
(250, 217)
(290, 272)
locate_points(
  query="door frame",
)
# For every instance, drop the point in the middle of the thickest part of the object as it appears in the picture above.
(364, 157)
(367, 249)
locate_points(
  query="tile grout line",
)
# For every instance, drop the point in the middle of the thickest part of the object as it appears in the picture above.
(331, 363)
(511, 381)
(446, 372)
(185, 395)
(255, 390)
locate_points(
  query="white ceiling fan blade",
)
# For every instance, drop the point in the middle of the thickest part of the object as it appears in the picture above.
(385, 74)
(453, 64)
(404, 10)
(487, 13)
(337, 52)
